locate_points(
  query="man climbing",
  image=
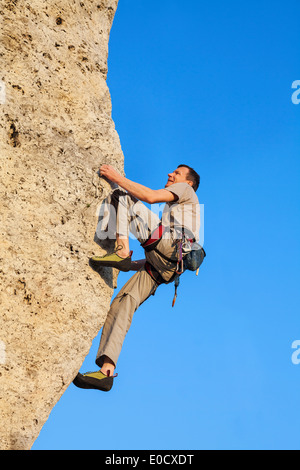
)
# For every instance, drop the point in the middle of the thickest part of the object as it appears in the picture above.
(166, 243)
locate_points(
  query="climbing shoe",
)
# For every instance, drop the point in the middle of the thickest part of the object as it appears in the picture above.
(112, 260)
(94, 380)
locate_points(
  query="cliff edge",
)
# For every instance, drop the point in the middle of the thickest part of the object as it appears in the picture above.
(55, 131)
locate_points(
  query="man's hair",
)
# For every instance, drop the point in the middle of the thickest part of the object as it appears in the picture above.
(192, 176)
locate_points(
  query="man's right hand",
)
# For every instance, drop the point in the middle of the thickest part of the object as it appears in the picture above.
(110, 173)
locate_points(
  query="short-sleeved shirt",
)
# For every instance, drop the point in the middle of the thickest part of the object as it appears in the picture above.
(184, 213)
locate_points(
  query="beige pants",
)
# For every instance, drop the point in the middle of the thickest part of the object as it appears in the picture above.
(119, 318)
(140, 286)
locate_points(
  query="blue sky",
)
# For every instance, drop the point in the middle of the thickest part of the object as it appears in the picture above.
(207, 84)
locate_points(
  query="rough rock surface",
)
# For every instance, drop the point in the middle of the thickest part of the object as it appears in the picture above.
(55, 131)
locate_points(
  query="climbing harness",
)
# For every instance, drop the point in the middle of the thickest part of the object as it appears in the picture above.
(191, 262)
(154, 238)
(156, 276)
(190, 256)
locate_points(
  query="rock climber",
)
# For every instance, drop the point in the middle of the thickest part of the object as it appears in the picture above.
(165, 241)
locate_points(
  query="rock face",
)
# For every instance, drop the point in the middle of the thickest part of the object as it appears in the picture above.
(55, 131)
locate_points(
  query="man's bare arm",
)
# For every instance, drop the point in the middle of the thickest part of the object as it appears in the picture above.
(151, 196)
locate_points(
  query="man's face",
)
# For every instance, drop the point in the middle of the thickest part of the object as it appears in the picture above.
(178, 176)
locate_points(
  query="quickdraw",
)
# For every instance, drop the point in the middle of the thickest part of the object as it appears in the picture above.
(179, 268)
